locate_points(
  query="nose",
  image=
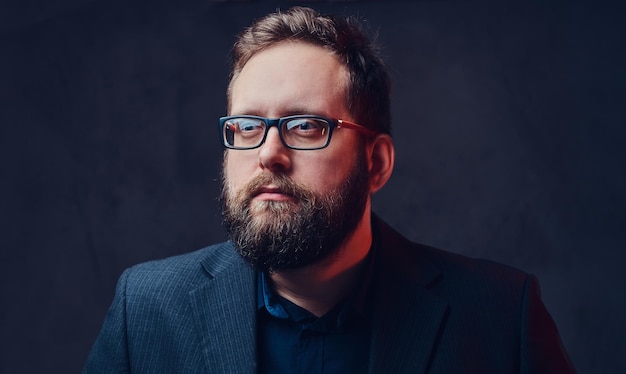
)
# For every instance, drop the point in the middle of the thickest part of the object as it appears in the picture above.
(273, 155)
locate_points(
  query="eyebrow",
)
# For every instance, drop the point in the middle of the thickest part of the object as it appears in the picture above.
(285, 113)
(301, 110)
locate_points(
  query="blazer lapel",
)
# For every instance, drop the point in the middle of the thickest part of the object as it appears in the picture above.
(225, 313)
(408, 316)
(405, 330)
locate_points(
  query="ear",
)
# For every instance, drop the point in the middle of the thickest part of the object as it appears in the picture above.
(381, 160)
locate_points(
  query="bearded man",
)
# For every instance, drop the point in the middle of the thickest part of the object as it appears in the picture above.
(311, 280)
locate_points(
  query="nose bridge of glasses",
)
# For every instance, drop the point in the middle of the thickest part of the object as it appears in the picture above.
(273, 122)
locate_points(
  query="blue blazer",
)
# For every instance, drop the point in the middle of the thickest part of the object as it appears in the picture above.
(436, 312)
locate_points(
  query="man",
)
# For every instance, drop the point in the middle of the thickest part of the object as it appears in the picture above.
(331, 288)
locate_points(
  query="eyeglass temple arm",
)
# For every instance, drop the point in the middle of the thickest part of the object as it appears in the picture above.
(357, 127)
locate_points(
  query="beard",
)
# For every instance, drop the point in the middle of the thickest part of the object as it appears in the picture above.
(309, 227)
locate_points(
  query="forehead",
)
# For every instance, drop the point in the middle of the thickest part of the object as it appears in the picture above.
(291, 78)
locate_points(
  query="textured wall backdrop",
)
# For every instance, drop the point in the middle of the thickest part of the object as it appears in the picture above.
(509, 127)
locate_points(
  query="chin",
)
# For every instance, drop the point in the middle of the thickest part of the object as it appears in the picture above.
(262, 207)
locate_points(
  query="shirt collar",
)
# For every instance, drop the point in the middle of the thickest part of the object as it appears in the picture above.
(360, 302)
(266, 298)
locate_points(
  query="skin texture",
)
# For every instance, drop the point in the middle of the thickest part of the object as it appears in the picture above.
(298, 78)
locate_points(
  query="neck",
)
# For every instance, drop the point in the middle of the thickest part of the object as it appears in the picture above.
(322, 285)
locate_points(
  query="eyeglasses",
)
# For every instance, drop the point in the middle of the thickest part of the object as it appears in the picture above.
(302, 132)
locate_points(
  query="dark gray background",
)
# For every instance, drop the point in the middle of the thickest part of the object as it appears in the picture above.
(509, 127)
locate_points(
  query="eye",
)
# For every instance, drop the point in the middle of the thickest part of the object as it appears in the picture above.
(306, 127)
(248, 128)
(249, 125)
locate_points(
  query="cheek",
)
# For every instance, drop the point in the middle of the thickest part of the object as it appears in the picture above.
(238, 167)
(325, 173)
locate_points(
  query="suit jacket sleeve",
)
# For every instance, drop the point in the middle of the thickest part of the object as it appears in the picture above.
(110, 351)
(541, 347)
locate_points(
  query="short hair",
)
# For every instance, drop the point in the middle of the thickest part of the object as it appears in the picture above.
(369, 85)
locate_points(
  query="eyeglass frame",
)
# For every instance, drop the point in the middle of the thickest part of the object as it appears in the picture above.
(333, 123)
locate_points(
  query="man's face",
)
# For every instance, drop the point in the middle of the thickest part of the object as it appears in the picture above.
(289, 208)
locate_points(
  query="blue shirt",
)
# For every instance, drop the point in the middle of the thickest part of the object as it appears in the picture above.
(293, 340)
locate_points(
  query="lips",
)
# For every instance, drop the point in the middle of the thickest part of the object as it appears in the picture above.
(271, 193)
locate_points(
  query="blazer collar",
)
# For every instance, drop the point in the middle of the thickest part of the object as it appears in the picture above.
(407, 319)
(224, 310)
(408, 316)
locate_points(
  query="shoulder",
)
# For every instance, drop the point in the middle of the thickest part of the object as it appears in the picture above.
(482, 296)
(496, 307)
(183, 271)
(459, 267)
(446, 271)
